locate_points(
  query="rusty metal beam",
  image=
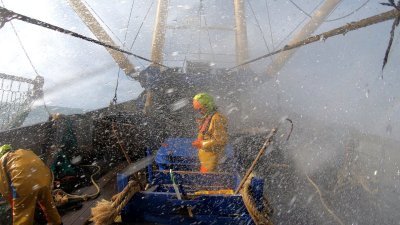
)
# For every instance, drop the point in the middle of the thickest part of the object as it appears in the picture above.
(315, 21)
(94, 26)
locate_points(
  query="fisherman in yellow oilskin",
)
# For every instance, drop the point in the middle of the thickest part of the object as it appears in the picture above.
(24, 181)
(213, 136)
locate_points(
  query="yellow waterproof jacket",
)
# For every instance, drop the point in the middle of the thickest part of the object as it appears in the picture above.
(214, 140)
(26, 171)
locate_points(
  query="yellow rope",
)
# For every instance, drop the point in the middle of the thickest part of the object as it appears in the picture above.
(323, 202)
(61, 197)
(258, 217)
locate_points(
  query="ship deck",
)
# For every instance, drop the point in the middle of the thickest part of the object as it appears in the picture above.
(108, 188)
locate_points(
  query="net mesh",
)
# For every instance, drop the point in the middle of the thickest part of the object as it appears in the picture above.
(16, 97)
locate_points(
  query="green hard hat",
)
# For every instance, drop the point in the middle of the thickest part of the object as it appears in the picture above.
(4, 149)
(206, 100)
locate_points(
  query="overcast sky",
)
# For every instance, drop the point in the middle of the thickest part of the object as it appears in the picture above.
(333, 80)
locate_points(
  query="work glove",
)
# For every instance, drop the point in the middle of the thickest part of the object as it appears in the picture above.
(198, 143)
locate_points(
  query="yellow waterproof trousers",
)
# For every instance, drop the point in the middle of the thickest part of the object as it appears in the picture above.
(26, 180)
(208, 161)
(24, 207)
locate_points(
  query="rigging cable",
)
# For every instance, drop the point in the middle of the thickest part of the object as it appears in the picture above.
(337, 219)
(140, 27)
(188, 48)
(298, 25)
(300, 9)
(278, 96)
(128, 77)
(114, 100)
(144, 19)
(349, 14)
(209, 39)
(270, 26)
(334, 9)
(258, 25)
(335, 19)
(95, 13)
(29, 59)
(199, 14)
(309, 14)
(9, 15)
(389, 15)
(208, 33)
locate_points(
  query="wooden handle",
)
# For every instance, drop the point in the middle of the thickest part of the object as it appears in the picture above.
(260, 153)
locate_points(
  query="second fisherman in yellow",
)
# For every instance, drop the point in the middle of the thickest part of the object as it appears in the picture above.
(212, 135)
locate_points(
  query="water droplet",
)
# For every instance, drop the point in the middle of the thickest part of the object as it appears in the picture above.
(310, 198)
(293, 200)
(76, 160)
(35, 187)
(179, 104)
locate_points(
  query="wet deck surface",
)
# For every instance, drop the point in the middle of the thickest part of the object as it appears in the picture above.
(108, 188)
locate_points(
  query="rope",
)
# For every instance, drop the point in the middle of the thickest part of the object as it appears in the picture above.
(298, 25)
(258, 25)
(123, 149)
(323, 202)
(259, 218)
(12, 15)
(141, 25)
(105, 211)
(323, 36)
(123, 200)
(98, 16)
(209, 39)
(300, 9)
(201, 14)
(121, 145)
(45, 106)
(349, 14)
(331, 20)
(199, 31)
(136, 36)
(22, 46)
(269, 23)
(188, 48)
(115, 98)
(61, 197)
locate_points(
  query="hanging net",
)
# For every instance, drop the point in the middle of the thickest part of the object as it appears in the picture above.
(16, 97)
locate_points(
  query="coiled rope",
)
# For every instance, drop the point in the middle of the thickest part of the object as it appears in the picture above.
(105, 211)
(259, 217)
(61, 197)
